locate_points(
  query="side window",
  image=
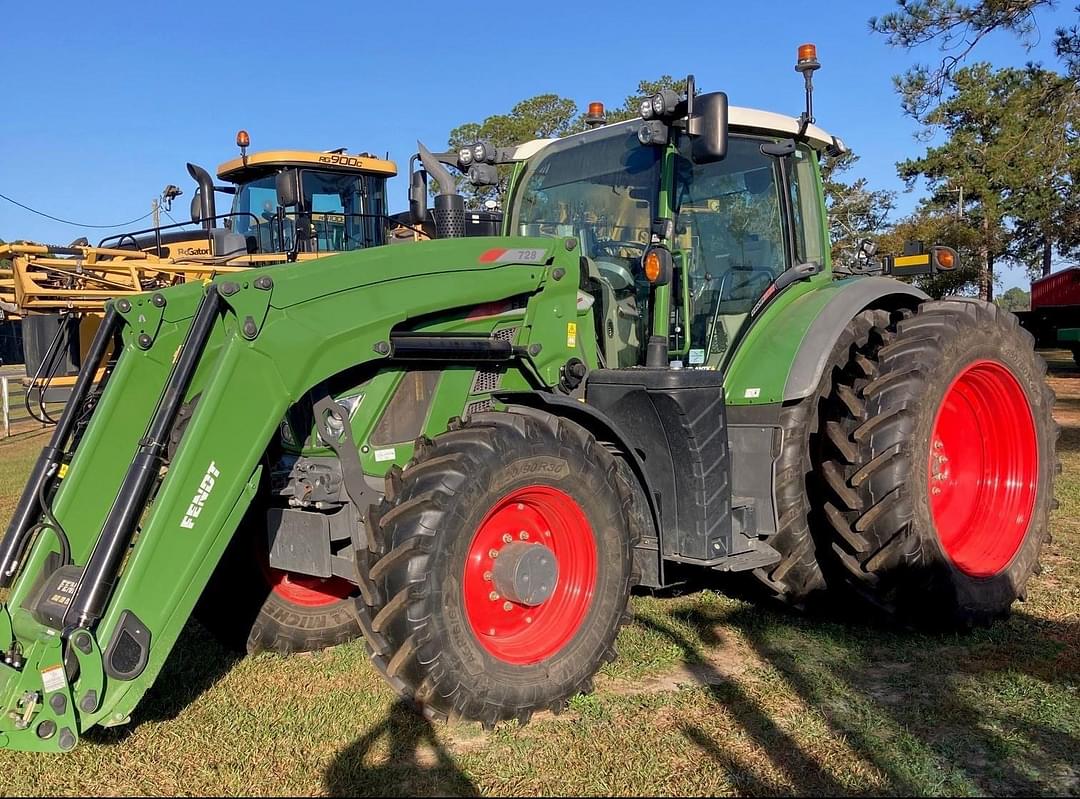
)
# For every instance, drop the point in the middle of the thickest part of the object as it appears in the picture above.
(731, 230)
(805, 205)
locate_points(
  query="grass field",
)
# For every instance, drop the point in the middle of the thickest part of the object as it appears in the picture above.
(712, 694)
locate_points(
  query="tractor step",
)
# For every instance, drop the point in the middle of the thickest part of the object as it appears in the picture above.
(760, 556)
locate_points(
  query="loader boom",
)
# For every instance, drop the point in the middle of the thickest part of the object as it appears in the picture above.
(246, 347)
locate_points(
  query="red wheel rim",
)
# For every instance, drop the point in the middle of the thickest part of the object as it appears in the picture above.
(520, 634)
(310, 592)
(984, 468)
(302, 589)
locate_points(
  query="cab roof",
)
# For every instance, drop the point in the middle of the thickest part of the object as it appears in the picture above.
(255, 165)
(740, 120)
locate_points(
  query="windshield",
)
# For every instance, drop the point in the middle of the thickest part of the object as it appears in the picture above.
(343, 212)
(599, 187)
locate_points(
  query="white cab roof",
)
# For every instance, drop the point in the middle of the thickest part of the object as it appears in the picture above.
(767, 121)
(740, 119)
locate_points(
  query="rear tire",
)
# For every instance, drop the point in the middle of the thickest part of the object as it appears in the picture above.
(435, 632)
(938, 475)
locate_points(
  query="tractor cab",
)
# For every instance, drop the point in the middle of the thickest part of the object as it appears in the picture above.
(737, 224)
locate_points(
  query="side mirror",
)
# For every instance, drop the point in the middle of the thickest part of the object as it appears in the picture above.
(196, 206)
(287, 186)
(418, 196)
(708, 128)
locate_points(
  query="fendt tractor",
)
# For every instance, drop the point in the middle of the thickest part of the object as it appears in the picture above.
(469, 451)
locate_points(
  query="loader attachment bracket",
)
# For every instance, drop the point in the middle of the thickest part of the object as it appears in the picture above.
(250, 301)
(143, 313)
(90, 684)
(40, 716)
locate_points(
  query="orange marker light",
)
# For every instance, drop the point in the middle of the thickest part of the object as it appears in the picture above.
(596, 109)
(945, 258)
(807, 52)
(242, 138)
(653, 268)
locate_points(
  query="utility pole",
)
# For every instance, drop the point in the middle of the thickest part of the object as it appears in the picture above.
(959, 200)
(155, 206)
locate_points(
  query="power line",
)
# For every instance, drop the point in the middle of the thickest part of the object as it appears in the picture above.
(66, 221)
(181, 224)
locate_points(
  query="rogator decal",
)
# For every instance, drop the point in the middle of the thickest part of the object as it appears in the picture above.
(341, 160)
(193, 250)
(199, 500)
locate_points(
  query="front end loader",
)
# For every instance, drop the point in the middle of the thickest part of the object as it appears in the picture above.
(469, 451)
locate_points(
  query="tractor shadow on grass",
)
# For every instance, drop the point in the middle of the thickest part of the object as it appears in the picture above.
(197, 662)
(904, 702)
(410, 761)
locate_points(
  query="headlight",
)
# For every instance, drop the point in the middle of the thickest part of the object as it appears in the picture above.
(464, 156)
(646, 109)
(658, 104)
(652, 132)
(479, 152)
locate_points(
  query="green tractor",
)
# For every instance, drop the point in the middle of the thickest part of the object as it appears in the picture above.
(469, 451)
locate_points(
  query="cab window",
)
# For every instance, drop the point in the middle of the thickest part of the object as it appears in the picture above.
(731, 232)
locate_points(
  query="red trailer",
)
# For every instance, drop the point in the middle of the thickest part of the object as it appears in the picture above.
(1060, 288)
(1054, 318)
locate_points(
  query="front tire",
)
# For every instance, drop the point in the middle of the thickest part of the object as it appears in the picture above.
(252, 608)
(443, 629)
(938, 476)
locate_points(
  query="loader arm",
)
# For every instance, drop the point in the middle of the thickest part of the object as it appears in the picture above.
(147, 527)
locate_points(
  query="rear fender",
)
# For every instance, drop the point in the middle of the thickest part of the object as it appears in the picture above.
(783, 354)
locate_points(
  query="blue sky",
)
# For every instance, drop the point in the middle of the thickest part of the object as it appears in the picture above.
(105, 102)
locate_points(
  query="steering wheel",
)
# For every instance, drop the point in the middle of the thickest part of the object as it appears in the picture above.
(611, 246)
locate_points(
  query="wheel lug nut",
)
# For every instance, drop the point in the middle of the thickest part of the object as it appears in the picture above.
(494, 596)
(493, 553)
(528, 619)
(521, 506)
(507, 538)
(935, 490)
(938, 445)
(487, 576)
(523, 535)
(507, 606)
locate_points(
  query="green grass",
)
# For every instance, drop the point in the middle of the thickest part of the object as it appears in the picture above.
(712, 694)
